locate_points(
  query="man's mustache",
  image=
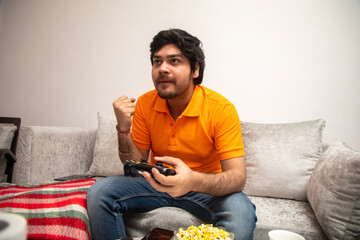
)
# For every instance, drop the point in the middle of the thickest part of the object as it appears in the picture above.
(164, 79)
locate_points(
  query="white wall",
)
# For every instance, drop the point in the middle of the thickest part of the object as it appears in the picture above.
(277, 60)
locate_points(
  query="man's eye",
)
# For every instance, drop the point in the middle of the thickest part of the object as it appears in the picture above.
(157, 62)
(174, 60)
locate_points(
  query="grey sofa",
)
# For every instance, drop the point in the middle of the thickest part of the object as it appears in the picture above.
(280, 161)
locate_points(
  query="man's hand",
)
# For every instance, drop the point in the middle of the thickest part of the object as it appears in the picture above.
(124, 108)
(176, 185)
(231, 179)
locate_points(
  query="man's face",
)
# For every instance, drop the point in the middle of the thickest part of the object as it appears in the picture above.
(171, 73)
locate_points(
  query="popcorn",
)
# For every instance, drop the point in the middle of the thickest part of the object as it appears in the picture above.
(203, 232)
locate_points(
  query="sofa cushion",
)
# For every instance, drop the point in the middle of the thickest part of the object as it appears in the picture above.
(172, 218)
(45, 153)
(280, 158)
(286, 214)
(334, 192)
(106, 161)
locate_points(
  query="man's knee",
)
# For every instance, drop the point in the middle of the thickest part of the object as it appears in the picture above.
(94, 195)
(239, 216)
(101, 192)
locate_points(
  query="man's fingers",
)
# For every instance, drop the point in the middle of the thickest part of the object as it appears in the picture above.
(124, 100)
(125, 105)
(162, 179)
(159, 180)
(129, 101)
(150, 179)
(146, 175)
(158, 187)
(168, 160)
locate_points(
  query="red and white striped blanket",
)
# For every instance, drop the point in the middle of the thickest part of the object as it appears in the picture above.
(54, 211)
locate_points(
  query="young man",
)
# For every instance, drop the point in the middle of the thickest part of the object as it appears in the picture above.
(185, 125)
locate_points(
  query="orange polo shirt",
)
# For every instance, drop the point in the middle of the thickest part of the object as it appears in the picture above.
(207, 132)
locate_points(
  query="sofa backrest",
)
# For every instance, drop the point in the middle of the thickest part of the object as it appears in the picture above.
(45, 153)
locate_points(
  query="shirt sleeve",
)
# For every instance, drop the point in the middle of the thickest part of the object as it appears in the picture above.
(140, 132)
(228, 137)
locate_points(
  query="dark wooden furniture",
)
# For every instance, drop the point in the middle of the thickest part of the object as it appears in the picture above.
(9, 154)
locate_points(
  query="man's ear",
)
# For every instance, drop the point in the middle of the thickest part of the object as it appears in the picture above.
(195, 74)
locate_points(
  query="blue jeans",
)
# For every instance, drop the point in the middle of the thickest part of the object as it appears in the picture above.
(109, 198)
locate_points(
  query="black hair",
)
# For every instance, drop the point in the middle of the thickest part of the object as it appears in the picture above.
(190, 46)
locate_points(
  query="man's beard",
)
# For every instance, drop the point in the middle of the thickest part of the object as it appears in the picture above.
(178, 90)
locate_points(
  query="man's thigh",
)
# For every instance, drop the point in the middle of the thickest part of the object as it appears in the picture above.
(127, 194)
(212, 209)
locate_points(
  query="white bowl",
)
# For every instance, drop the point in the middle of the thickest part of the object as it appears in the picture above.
(284, 235)
(14, 226)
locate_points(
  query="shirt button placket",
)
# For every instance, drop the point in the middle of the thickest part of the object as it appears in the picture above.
(172, 142)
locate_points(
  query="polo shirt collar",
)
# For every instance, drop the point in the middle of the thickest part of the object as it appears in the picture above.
(194, 106)
(192, 109)
(160, 105)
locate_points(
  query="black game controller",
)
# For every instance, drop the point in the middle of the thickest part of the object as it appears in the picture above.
(135, 169)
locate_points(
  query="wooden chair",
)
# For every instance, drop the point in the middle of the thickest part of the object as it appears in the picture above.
(9, 154)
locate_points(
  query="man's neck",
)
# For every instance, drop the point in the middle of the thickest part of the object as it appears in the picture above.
(178, 105)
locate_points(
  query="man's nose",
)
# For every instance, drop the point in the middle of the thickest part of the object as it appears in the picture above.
(164, 68)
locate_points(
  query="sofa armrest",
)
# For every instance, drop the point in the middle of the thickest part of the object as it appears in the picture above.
(45, 153)
(334, 192)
